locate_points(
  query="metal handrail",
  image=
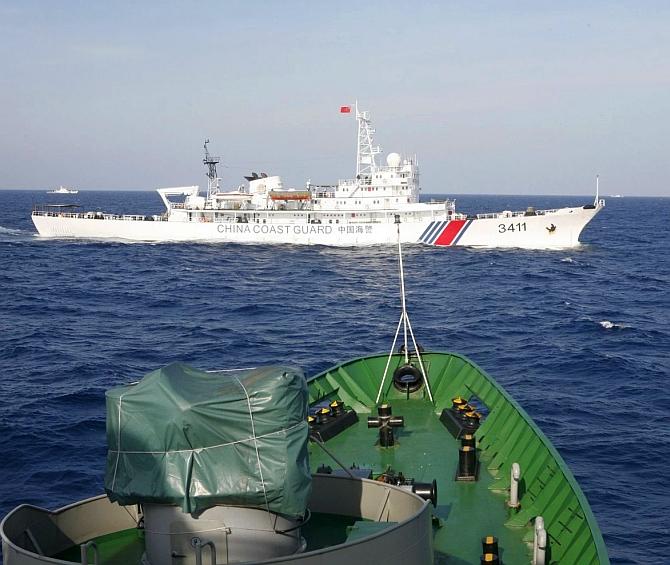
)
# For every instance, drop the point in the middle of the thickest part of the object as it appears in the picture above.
(94, 215)
(198, 546)
(84, 552)
(516, 214)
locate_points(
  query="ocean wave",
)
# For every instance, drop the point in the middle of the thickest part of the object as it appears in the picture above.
(612, 325)
(10, 231)
(578, 338)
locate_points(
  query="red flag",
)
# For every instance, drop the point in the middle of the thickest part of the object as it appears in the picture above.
(345, 109)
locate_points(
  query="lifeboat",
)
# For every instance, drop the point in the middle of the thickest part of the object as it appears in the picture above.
(290, 195)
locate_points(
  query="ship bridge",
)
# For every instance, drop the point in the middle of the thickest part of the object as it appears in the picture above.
(383, 187)
(375, 186)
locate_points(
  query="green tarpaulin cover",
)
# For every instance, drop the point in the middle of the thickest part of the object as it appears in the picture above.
(197, 439)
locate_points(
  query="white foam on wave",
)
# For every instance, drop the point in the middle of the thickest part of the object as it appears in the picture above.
(9, 230)
(611, 325)
(567, 260)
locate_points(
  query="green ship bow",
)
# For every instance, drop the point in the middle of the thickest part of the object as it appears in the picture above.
(410, 458)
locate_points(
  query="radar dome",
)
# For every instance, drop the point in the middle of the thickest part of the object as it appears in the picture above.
(393, 159)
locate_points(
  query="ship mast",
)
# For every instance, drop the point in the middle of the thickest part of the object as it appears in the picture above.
(365, 151)
(212, 176)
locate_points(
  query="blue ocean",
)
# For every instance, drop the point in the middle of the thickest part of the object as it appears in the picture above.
(580, 338)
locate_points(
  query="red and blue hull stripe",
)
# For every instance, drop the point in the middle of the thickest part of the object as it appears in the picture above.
(445, 233)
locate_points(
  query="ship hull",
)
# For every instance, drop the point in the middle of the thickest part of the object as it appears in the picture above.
(551, 229)
(228, 232)
(555, 229)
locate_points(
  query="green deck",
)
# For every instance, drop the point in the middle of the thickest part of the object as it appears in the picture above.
(425, 451)
(126, 546)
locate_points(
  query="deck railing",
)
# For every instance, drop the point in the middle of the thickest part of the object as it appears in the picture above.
(510, 214)
(97, 216)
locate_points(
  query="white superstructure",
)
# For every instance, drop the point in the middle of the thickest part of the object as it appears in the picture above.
(358, 211)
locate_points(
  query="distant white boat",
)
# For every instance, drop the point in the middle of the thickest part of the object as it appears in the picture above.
(616, 196)
(62, 190)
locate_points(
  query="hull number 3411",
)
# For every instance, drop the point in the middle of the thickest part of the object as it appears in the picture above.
(519, 226)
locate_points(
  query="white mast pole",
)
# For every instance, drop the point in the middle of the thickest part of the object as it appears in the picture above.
(212, 175)
(403, 315)
(597, 190)
(365, 152)
(358, 143)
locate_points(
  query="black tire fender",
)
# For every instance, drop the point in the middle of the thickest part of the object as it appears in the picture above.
(407, 378)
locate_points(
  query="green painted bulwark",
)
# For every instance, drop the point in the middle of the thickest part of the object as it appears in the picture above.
(507, 435)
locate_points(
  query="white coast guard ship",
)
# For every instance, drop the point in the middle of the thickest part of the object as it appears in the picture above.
(359, 211)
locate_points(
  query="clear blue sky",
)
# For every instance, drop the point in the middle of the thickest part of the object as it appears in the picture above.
(493, 97)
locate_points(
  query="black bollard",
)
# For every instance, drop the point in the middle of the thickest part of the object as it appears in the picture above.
(468, 440)
(467, 464)
(490, 545)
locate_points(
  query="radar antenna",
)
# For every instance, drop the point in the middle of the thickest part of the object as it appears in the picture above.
(212, 176)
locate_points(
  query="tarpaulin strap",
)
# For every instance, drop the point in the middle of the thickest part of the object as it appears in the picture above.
(258, 455)
(198, 449)
(118, 443)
